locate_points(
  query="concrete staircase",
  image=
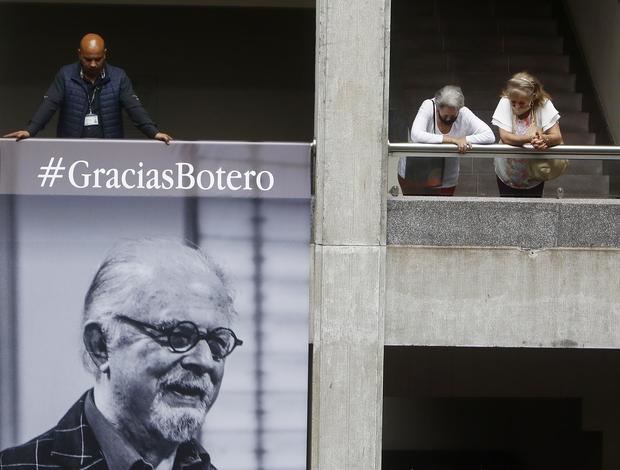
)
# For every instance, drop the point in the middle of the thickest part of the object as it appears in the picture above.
(478, 45)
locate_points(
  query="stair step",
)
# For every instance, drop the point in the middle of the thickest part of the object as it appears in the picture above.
(399, 132)
(478, 42)
(578, 138)
(570, 121)
(407, 9)
(477, 185)
(484, 43)
(470, 165)
(465, 9)
(478, 166)
(539, 9)
(527, 5)
(585, 167)
(539, 62)
(578, 186)
(432, 24)
(543, 26)
(489, 63)
(399, 126)
(478, 81)
(513, 43)
(413, 98)
(485, 166)
(573, 186)
(570, 137)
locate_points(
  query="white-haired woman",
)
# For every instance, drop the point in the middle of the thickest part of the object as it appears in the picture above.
(524, 115)
(442, 120)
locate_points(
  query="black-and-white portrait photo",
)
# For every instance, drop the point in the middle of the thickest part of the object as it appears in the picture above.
(154, 332)
(146, 312)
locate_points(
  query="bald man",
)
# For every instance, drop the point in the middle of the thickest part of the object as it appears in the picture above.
(90, 95)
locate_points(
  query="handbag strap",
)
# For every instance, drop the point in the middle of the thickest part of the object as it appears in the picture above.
(533, 122)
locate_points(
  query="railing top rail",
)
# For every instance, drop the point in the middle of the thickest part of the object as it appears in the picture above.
(157, 142)
(576, 152)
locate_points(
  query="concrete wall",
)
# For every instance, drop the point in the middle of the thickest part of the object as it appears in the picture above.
(600, 39)
(509, 273)
(503, 297)
(492, 222)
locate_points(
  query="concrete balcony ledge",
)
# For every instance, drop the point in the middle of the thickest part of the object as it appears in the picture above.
(492, 272)
(503, 222)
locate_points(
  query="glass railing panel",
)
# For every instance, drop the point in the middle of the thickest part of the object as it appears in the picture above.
(591, 171)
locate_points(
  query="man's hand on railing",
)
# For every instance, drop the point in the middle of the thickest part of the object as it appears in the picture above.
(17, 135)
(163, 137)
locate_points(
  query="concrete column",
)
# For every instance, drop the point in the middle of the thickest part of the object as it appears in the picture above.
(348, 287)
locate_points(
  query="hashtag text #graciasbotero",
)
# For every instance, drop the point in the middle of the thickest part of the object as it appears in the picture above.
(182, 176)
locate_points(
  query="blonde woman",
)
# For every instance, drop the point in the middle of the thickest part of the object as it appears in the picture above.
(524, 115)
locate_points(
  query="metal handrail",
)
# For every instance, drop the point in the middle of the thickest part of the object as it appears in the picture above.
(569, 152)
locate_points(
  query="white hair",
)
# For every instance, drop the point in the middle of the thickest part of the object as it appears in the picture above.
(450, 95)
(126, 283)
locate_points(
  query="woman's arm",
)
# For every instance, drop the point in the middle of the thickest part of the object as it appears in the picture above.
(425, 115)
(549, 138)
(477, 131)
(553, 135)
(514, 139)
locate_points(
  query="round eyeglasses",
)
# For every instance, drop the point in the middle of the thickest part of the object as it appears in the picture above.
(183, 336)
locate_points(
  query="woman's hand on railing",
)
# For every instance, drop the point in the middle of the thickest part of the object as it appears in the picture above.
(460, 142)
(539, 142)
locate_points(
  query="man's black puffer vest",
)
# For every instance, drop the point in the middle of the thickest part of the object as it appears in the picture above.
(75, 104)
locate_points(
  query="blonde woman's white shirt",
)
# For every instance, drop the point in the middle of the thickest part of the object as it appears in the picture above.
(425, 130)
(514, 171)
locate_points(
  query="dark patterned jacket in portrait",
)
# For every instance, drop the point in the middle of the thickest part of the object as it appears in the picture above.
(72, 445)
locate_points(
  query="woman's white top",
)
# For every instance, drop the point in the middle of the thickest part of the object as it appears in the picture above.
(425, 130)
(514, 171)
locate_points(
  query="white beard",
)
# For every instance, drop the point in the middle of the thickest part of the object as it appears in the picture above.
(176, 424)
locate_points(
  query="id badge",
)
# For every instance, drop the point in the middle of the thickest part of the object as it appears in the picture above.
(91, 120)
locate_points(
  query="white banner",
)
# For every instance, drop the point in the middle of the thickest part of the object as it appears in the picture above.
(149, 168)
